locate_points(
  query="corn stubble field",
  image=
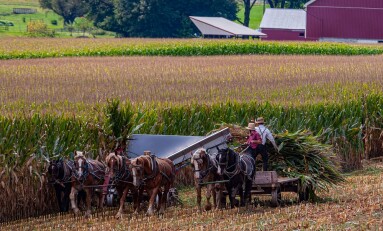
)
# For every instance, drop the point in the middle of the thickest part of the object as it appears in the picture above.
(52, 106)
(354, 205)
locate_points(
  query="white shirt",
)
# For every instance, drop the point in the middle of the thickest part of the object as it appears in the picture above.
(265, 133)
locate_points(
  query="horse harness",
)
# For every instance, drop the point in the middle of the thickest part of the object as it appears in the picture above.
(248, 163)
(210, 166)
(237, 169)
(123, 173)
(66, 178)
(155, 170)
(88, 168)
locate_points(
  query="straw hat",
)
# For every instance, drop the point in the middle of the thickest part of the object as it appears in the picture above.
(251, 126)
(260, 120)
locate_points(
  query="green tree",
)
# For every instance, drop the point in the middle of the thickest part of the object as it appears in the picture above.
(68, 9)
(39, 29)
(248, 5)
(156, 18)
(102, 13)
(83, 25)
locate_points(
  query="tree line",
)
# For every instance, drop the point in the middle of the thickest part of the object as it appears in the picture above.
(155, 18)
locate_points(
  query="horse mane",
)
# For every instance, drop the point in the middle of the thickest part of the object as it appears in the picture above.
(79, 155)
(198, 152)
(142, 158)
(113, 154)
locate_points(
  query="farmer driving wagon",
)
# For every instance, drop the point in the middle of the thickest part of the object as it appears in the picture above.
(253, 140)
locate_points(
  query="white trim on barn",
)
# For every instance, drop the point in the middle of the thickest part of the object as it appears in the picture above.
(218, 26)
(309, 3)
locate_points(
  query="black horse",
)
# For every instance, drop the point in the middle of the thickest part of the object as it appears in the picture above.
(59, 175)
(239, 170)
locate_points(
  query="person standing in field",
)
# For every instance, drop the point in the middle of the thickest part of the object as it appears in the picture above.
(253, 140)
(265, 133)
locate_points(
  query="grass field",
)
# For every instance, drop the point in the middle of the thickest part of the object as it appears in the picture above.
(256, 15)
(20, 2)
(20, 21)
(355, 205)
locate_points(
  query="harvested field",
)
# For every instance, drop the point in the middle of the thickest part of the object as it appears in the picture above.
(286, 80)
(356, 205)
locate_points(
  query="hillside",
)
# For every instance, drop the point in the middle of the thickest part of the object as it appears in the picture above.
(16, 24)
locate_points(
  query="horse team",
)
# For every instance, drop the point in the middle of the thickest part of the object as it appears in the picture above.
(228, 167)
(146, 173)
(151, 175)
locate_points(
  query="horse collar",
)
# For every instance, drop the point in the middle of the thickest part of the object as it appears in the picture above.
(122, 172)
(205, 172)
(154, 165)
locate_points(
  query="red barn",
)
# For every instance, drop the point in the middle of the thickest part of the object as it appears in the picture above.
(345, 20)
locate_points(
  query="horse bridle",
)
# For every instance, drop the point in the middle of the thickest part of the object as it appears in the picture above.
(154, 169)
(120, 172)
(55, 174)
(57, 165)
(85, 168)
(203, 173)
(226, 172)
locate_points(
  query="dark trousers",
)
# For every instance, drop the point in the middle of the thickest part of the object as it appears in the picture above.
(261, 149)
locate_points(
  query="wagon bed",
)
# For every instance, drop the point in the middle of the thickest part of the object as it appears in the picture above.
(268, 182)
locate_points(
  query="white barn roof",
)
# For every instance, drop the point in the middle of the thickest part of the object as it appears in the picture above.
(222, 26)
(284, 19)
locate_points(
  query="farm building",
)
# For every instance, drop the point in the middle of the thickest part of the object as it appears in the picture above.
(284, 24)
(345, 20)
(218, 27)
(327, 20)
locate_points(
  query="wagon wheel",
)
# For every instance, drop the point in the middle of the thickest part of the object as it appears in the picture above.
(276, 197)
(304, 195)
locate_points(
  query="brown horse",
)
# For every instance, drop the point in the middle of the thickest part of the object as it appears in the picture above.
(205, 170)
(152, 173)
(87, 175)
(118, 171)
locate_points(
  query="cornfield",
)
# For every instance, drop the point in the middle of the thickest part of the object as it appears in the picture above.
(28, 141)
(51, 107)
(45, 48)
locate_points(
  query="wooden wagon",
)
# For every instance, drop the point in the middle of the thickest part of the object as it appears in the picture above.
(268, 183)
